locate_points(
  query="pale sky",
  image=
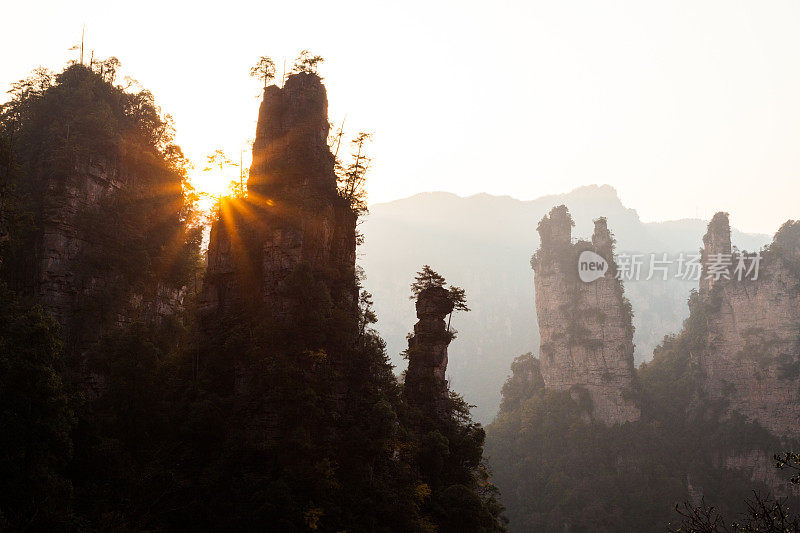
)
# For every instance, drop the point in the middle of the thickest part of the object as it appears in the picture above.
(686, 107)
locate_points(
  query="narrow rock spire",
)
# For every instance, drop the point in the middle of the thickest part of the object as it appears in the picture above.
(425, 383)
(292, 215)
(716, 251)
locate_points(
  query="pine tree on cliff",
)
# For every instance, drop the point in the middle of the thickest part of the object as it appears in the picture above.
(307, 63)
(263, 70)
(428, 278)
(351, 180)
(449, 445)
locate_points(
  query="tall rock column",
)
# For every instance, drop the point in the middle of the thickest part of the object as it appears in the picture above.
(752, 354)
(292, 215)
(716, 247)
(425, 383)
(586, 332)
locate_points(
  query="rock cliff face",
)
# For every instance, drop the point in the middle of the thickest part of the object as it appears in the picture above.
(63, 242)
(753, 344)
(586, 331)
(292, 215)
(758, 466)
(74, 275)
(93, 188)
(425, 383)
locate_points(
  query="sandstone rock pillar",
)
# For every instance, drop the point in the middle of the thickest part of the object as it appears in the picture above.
(752, 349)
(586, 331)
(292, 214)
(425, 383)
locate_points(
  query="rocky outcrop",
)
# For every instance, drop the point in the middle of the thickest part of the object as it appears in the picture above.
(752, 351)
(586, 332)
(758, 467)
(74, 276)
(95, 207)
(425, 382)
(63, 242)
(292, 214)
(716, 246)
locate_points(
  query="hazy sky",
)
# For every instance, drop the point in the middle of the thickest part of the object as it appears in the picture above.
(686, 107)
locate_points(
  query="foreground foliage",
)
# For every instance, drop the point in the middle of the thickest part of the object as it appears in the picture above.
(154, 422)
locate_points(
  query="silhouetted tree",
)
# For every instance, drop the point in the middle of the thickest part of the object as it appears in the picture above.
(108, 68)
(763, 515)
(263, 70)
(459, 298)
(307, 62)
(789, 461)
(425, 279)
(352, 180)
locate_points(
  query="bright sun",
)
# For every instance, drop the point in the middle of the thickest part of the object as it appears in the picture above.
(209, 187)
(208, 183)
(212, 180)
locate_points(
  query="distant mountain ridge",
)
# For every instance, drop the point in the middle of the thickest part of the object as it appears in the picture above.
(484, 244)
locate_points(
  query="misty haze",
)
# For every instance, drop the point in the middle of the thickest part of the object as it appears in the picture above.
(430, 267)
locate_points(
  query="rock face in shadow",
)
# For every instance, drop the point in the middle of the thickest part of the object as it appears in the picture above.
(586, 332)
(75, 276)
(292, 214)
(753, 340)
(63, 242)
(425, 382)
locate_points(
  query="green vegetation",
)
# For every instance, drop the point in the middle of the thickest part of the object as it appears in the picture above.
(263, 70)
(351, 179)
(36, 417)
(427, 278)
(786, 246)
(307, 62)
(449, 444)
(57, 131)
(762, 513)
(557, 470)
(146, 421)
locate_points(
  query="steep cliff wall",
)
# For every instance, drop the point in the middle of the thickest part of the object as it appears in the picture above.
(586, 331)
(753, 343)
(63, 241)
(93, 270)
(94, 187)
(425, 383)
(292, 214)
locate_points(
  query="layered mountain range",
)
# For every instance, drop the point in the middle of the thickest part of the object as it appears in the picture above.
(484, 243)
